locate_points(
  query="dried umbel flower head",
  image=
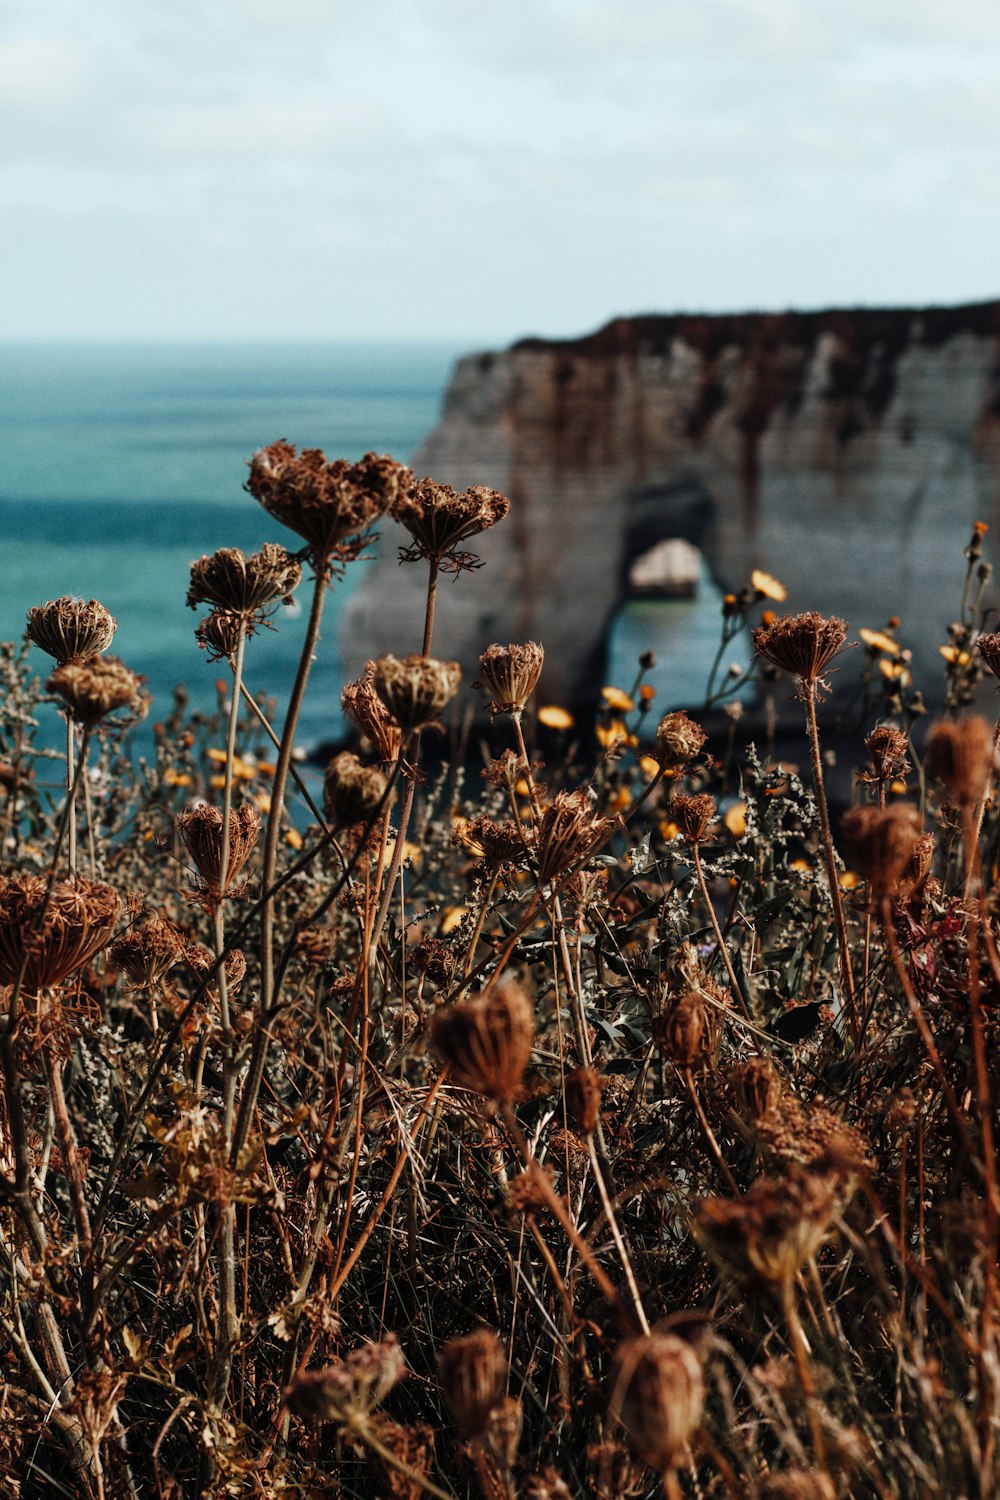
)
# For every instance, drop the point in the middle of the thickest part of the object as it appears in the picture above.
(681, 1033)
(346, 1392)
(988, 647)
(496, 841)
(352, 791)
(52, 933)
(368, 713)
(959, 753)
(757, 1086)
(219, 634)
(148, 952)
(67, 628)
(330, 504)
(502, 1433)
(96, 686)
(242, 585)
(203, 963)
(613, 1472)
(412, 1445)
(887, 747)
(414, 689)
(438, 519)
(487, 1041)
(880, 842)
(765, 1236)
(201, 830)
(473, 1372)
(434, 958)
(657, 1394)
(678, 741)
(918, 867)
(510, 675)
(803, 644)
(570, 830)
(584, 1087)
(692, 815)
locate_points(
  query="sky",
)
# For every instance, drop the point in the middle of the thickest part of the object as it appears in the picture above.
(464, 170)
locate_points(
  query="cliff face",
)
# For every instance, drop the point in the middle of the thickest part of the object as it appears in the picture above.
(846, 452)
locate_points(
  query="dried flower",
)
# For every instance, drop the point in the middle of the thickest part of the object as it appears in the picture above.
(203, 962)
(888, 747)
(988, 647)
(67, 628)
(148, 952)
(496, 841)
(433, 957)
(546, 1484)
(880, 843)
(680, 1033)
(368, 713)
(502, 1433)
(692, 815)
(348, 1391)
(201, 830)
(757, 1085)
(959, 753)
(52, 931)
(352, 791)
(330, 504)
(613, 1472)
(487, 1041)
(678, 740)
(803, 644)
(414, 689)
(412, 1445)
(510, 674)
(584, 1087)
(241, 585)
(657, 1394)
(96, 686)
(473, 1372)
(219, 634)
(438, 519)
(570, 829)
(765, 1236)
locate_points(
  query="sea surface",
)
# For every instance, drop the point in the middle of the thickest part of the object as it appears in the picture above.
(120, 463)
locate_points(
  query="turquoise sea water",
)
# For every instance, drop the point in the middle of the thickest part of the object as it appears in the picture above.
(121, 463)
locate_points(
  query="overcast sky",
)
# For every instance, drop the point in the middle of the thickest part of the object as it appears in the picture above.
(480, 169)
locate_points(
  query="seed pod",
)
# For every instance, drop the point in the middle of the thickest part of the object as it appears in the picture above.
(510, 675)
(347, 1391)
(764, 1237)
(692, 815)
(352, 791)
(148, 952)
(680, 1032)
(97, 686)
(887, 746)
(413, 1445)
(570, 829)
(584, 1087)
(438, 518)
(330, 504)
(219, 635)
(880, 842)
(757, 1085)
(678, 741)
(802, 644)
(502, 1433)
(486, 1042)
(612, 1471)
(473, 1372)
(657, 1394)
(959, 753)
(367, 712)
(414, 689)
(79, 918)
(201, 830)
(241, 585)
(67, 628)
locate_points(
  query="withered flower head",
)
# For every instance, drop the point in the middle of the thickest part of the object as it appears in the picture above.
(692, 815)
(803, 644)
(330, 504)
(438, 519)
(764, 1237)
(96, 686)
(201, 830)
(414, 689)
(888, 747)
(959, 753)
(503, 1432)
(584, 1087)
(148, 952)
(680, 1032)
(546, 1484)
(367, 712)
(569, 830)
(487, 1041)
(510, 675)
(613, 1472)
(79, 918)
(203, 962)
(757, 1085)
(435, 958)
(473, 1372)
(678, 740)
(66, 628)
(413, 1445)
(348, 1391)
(880, 843)
(352, 791)
(657, 1394)
(241, 585)
(496, 841)
(988, 647)
(219, 634)
(918, 866)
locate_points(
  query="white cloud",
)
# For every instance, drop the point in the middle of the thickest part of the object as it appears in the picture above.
(39, 71)
(305, 128)
(299, 15)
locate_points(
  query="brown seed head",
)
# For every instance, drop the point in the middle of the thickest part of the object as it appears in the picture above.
(352, 791)
(798, 1484)
(347, 1391)
(918, 867)
(757, 1085)
(989, 649)
(435, 958)
(96, 686)
(367, 712)
(613, 1472)
(510, 675)
(201, 830)
(803, 644)
(497, 841)
(765, 1236)
(503, 1432)
(219, 634)
(584, 1087)
(570, 829)
(242, 585)
(67, 628)
(680, 1032)
(414, 689)
(487, 1041)
(678, 740)
(546, 1484)
(887, 747)
(203, 962)
(79, 918)
(880, 843)
(657, 1394)
(413, 1445)
(959, 753)
(330, 504)
(438, 519)
(148, 952)
(473, 1372)
(692, 815)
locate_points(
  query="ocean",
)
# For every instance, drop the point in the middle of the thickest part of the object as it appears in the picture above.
(123, 462)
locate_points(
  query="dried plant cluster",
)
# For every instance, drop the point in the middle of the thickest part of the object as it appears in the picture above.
(618, 1126)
